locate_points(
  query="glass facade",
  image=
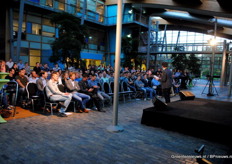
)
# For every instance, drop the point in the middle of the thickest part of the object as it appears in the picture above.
(197, 43)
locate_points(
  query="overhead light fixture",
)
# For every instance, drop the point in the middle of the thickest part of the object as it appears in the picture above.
(157, 18)
(210, 31)
(212, 42)
(129, 36)
(130, 11)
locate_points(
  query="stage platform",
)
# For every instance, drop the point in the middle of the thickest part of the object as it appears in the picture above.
(203, 118)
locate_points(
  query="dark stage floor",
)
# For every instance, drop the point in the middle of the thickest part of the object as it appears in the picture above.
(203, 118)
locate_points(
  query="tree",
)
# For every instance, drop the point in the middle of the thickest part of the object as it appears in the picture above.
(179, 61)
(193, 64)
(182, 62)
(67, 47)
(130, 50)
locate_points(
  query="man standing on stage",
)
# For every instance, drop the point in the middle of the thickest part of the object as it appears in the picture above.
(166, 81)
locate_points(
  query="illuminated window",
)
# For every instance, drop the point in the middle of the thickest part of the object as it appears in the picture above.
(61, 5)
(49, 3)
(36, 29)
(35, 56)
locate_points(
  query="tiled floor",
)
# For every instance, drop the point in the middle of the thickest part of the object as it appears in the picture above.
(83, 138)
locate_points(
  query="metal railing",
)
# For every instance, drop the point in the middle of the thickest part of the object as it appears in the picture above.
(161, 48)
(96, 17)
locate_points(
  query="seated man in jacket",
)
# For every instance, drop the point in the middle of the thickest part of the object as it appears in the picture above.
(102, 95)
(41, 84)
(92, 92)
(22, 80)
(73, 87)
(146, 90)
(54, 94)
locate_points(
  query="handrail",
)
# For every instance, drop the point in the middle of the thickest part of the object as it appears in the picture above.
(77, 10)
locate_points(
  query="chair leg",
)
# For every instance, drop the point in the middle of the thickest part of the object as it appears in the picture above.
(33, 105)
(51, 109)
(74, 106)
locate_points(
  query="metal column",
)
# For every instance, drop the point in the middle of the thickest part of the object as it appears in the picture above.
(230, 80)
(223, 70)
(115, 127)
(84, 12)
(148, 43)
(210, 91)
(20, 23)
(10, 20)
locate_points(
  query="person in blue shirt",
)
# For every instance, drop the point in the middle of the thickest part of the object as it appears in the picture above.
(102, 95)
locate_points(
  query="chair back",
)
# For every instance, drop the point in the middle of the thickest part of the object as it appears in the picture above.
(112, 86)
(45, 95)
(61, 87)
(101, 88)
(106, 87)
(124, 86)
(12, 88)
(31, 89)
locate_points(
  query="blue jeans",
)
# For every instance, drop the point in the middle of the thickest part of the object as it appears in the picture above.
(81, 98)
(149, 90)
(65, 98)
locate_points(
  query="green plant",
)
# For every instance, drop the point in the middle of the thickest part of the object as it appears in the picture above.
(67, 47)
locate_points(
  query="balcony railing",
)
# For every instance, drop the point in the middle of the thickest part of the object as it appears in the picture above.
(165, 48)
(77, 9)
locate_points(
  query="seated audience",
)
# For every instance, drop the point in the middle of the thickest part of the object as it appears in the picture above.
(3, 66)
(37, 68)
(22, 81)
(73, 87)
(146, 90)
(41, 84)
(11, 74)
(54, 94)
(33, 77)
(102, 95)
(86, 89)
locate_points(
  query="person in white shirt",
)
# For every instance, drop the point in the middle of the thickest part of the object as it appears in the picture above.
(56, 68)
(33, 77)
(10, 63)
(54, 94)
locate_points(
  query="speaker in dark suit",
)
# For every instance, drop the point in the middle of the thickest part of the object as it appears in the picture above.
(186, 95)
(158, 104)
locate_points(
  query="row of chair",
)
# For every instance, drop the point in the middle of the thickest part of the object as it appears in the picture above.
(108, 88)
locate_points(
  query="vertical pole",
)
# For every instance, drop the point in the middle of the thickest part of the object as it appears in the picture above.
(11, 34)
(210, 91)
(20, 23)
(115, 127)
(230, 80)
(84, 12)
(148, 43)
(223, 70)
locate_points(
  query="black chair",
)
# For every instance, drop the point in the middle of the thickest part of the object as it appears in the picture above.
(62, 89)
(125, 90)
(101, 88)
(12, 91)
(112, 86)
(48, 102)
(107, 88)
(139, 93)
(32, 95)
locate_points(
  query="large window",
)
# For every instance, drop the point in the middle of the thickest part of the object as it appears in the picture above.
(35, 56)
